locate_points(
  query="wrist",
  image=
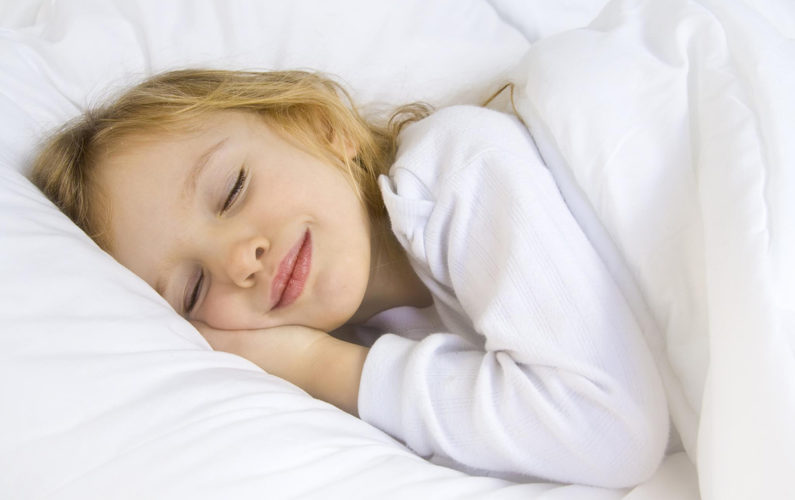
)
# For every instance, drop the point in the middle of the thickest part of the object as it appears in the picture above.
(335, 372)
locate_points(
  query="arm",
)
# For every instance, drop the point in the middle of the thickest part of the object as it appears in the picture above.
(550, 376)
(323, 366)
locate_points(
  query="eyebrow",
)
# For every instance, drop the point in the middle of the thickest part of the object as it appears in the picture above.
(196, 170)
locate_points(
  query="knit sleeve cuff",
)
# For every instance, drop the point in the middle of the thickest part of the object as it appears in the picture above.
(381, 387)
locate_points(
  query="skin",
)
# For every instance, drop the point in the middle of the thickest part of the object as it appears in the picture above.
(175, 233)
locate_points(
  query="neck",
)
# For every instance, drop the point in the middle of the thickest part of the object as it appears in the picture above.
(393, 282)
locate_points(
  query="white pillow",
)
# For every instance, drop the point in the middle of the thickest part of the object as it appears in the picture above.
(390, 52)
(538, 19)
(106, 392)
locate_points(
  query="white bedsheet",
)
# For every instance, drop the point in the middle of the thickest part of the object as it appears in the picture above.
(666, 121)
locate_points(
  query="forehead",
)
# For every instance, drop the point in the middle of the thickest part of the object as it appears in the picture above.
(162, 157)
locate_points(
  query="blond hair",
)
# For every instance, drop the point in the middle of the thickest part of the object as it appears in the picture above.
(310, 109)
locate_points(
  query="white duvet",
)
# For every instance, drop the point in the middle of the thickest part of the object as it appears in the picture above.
(668, 125)
(673, 124)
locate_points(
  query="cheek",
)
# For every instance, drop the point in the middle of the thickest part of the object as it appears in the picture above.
(340, 287)
(225, 310)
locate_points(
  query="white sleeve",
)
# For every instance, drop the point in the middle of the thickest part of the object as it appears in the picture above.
(561, 386)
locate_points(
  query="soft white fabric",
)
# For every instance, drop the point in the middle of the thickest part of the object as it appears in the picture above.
(669, 126)
(540, 368)
(94, 405)
(538, 19)
(106, 392)
(64, 55)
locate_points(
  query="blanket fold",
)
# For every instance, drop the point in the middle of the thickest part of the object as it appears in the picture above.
(665, 124)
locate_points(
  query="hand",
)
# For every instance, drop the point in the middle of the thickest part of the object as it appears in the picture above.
(325, 367)
(284, 351)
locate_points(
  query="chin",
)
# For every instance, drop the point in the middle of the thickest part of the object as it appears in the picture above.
(340, 306)
(329, 324)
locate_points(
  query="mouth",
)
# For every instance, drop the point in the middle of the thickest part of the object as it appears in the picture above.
(293, 272)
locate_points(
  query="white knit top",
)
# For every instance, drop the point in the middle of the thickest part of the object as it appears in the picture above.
(534, 366)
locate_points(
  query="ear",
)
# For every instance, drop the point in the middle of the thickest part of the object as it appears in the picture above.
(343, 145)
(349, 149)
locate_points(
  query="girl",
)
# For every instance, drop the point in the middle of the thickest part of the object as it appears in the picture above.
(269, 213)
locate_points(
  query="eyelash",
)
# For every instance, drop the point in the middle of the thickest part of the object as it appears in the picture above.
(194, 295)
(234, 194)
(235, 191)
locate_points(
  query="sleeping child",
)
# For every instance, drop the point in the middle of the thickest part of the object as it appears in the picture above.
(423, 274)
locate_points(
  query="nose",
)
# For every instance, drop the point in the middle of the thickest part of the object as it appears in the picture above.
(245, 260)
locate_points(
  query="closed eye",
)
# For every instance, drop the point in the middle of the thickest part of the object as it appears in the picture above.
(234, 193)
(193, 297)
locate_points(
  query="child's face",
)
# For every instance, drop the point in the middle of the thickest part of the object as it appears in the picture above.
(290, 244)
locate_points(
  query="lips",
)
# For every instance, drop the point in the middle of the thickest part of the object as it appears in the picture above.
(292, 274)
